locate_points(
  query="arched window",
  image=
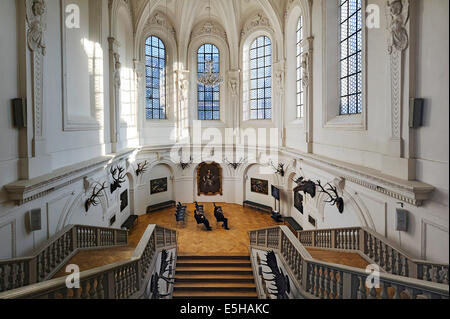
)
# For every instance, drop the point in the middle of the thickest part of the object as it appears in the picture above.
(351, 57)
(208, 98)
(261, 79)
(300, 93)
(155, 65)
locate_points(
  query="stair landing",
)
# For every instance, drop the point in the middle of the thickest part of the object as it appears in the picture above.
(338, 257)
(211, 277)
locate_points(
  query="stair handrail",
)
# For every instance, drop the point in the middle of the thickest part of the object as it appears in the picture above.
(45, 261)
(382, 251)
(120, 280)
(319, 279)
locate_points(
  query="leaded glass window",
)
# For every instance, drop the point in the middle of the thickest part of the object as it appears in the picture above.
(350, 57)
(208, 98)
(261, 79)
(155, 85)
(300, 90)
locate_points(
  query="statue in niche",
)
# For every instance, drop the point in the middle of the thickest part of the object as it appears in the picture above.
(117, 67)
(233, 88)
(305, 71)
(398, 17)
(36, 26)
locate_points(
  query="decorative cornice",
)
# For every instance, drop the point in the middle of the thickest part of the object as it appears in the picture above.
(209, 29)
(24, 191)
(258, 21)
(159, 19)
(411, 192)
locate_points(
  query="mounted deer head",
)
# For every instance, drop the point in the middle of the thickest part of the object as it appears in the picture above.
(235, 165)
(94, 199)
(307, 187)
(119, 180)
(186, 165)
(142, 168)
(278, 170)
(335, 199)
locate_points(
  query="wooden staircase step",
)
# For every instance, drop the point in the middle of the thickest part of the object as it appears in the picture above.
(215, 278)
(214, 270)
(214, 285)
(212, 257)
(213, 263)
(214, 295)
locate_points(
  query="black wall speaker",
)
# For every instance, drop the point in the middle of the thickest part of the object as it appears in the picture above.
(416, 112)
(19, 113)
(401, 220)
(34, 220)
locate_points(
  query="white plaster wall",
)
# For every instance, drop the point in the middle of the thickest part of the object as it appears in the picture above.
(9, 150)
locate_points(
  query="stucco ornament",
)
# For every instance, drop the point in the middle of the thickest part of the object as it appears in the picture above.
(36, 14)
(398, 16)
(117, 67)
(305, 70)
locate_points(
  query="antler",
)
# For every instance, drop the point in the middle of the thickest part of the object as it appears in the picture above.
(93, 200)
(334, 200)
(119, 180)
(323, 190)
(142, 168)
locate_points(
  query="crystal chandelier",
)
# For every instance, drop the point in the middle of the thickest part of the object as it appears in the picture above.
(209, 78)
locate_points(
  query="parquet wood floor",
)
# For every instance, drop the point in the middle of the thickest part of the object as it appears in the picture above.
(337, 257)
(194, 240)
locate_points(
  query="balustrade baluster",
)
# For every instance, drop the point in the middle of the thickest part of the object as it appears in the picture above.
(399, 264)
(322, 282)
(317, 279)
(362, 293)
(382, 253)
(63, 292)
(375, 249)
(311, 279)
(92, 289)
(84, 291)
(388, 259)
(53, 252)
(372, 293)
(405, 269)
(100, 288)
(327, 284)
(340, 285)
(2, 278)
(11, 277)
(398, 291)
(384, 291)
(333, 285)
(20, 276)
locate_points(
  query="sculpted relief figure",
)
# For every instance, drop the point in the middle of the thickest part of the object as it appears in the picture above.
(398, 17)
(305, 71)
(117, 67)
(36, 26)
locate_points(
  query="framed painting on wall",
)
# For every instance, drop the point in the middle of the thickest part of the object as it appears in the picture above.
(158, 186)
(124, 200)
(311, 220)
(298, 201)
(259, 186)
(209, 179)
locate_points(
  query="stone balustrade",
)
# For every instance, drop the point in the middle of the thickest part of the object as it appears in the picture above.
(378, 249)
(121, 280)
(46, 262)
(323, 280)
